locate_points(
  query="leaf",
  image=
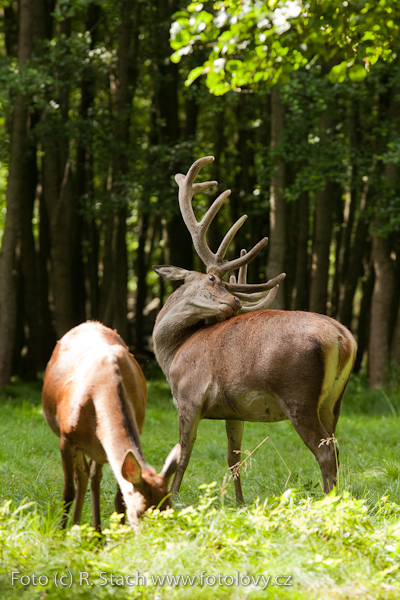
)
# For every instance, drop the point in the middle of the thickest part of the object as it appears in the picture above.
(194, 74)
(338, 73)
(357, 73)
(234, 65)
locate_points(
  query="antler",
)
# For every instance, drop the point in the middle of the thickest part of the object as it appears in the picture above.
(215, 263)
(256, 296)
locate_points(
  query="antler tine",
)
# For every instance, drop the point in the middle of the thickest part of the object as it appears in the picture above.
(234, 264)
(258, 300)
(212, 211)
(229, 237)
(255, 287)
(262, 304)
(242, 276)
(187, 189)
(215, 263)
(252, 297)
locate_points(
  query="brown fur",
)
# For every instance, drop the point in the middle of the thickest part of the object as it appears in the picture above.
(262, 366)
(94, 398)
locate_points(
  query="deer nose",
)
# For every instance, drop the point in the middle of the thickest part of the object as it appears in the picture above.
(237, 301)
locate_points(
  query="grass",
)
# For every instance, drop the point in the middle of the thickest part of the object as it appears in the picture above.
(288, 541)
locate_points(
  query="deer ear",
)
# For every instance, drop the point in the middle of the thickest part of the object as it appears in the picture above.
(131, 469)
(170, 273)
(171, 463)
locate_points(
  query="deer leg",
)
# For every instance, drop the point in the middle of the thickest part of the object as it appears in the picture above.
(234, 432)
(329, 415)
(81, 479)
(188, 424)
(68, 495)
(321, 444)
(119, 504)
(96, 473)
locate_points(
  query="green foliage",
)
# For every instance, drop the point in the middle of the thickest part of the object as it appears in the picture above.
(331, 548)
(252, 42)
(344, 545)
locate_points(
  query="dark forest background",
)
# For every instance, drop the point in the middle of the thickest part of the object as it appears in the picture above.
(95, 122)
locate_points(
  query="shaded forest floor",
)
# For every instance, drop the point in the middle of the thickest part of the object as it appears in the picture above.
(342, 546)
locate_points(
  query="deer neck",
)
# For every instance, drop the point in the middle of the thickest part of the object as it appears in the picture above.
(114, 412)
(175, 324)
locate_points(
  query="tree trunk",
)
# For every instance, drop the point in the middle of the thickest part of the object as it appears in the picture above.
(85, 178)
(277, 237)
(299, 300)
(364, 316)
(45, 300)
(114, 296)
(166, 79)
(395, 344)
(145, 225)
(60, 209)
(352, 263)
(323, 220)
(33, 358)
(380, 326)
(15, 190)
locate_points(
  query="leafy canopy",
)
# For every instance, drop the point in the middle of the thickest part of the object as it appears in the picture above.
(248, 41)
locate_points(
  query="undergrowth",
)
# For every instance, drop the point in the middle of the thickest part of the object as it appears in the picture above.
(287, 541)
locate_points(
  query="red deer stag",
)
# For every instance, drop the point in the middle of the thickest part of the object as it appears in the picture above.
(266, 365)
(94, 397)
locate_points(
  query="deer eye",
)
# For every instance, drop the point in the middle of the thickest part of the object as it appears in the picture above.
(211, 278)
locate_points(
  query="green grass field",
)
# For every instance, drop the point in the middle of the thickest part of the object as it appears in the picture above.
(288, 541)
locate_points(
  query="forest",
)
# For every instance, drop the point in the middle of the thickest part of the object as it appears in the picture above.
(104, 101)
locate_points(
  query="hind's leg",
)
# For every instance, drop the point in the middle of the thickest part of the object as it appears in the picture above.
(96, 472)
(81, 479)
(68, 496)
(119, 504)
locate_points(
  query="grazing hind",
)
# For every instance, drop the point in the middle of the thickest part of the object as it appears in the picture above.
(94, 397)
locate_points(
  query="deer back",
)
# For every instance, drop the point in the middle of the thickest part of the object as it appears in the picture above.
(245, 366)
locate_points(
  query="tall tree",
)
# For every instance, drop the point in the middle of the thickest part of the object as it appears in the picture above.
(113, 310)
(323, 220)
(14, 198)
(381, 324)
(277, 239)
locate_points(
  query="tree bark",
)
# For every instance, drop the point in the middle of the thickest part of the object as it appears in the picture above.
(395, 343)
(33, 355)
(352, 263)
(15, 190)
(380, 326)
(85, 177)
(277, 237)
(364, 316)
(323, 220)
(114, 296)
(299, 300)
(166, 105)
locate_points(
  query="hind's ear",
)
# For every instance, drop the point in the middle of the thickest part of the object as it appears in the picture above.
(131, 469)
